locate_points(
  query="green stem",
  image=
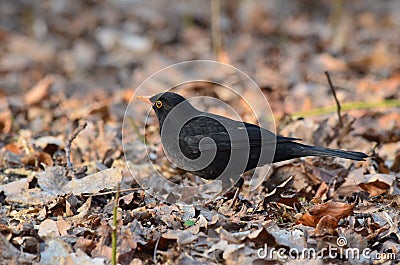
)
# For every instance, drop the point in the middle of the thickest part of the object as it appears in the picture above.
(355, 105)
(114, 229)
(136, 129)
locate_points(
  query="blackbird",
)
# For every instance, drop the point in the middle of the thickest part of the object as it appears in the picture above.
(211, 146)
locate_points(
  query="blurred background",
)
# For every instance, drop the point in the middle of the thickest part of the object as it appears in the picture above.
(112, 45)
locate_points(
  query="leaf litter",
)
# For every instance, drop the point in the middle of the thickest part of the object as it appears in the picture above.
(78, 63)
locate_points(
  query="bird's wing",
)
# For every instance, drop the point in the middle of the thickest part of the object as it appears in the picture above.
(241, 135)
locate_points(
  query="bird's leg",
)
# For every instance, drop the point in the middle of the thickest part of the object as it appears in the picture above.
(238, 185)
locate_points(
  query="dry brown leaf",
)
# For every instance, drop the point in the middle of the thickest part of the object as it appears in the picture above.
(330, 63)
(227, 249)
(84, 209)
(48, 228)
(14, 148)
(36, 159)
(323, 188)
(81, 257)
(376, 184)
(5, 116)
(102, 250)
(85, 244)
(5, 122)
(39, 91)
(261, 236)
(223, 57)
(63, 226)
(350, 184)
(127, 94)
(326, 226)
(308, 219)
(375, 188)
(337, 210)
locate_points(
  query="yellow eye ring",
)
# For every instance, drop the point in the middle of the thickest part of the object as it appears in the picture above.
(158, 104)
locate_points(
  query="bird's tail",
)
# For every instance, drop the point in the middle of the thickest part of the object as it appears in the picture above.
(294, 150)
(322, 151)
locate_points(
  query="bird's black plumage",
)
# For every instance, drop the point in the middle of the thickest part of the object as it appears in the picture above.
(183, 128)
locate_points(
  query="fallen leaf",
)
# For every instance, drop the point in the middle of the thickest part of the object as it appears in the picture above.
(375, 188)
(39, 91)
(337, 210)
(377, 184)
(289, 238)
(323, 188)
(330, 63)
(326, 226)
(48, 228)
(85, 244)
(5, 116)
(53, 182)
(14, 148)
(81, 257)
(63, 226)
(182, 237)
(36, 159)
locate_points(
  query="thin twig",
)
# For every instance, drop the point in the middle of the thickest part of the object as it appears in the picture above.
(216, 27)
(155, 249)
(336, 99)
(80, 128)
(112, 192)
(114, 228)
(235, 197)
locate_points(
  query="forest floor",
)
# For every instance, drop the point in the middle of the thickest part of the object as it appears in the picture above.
(73, 66)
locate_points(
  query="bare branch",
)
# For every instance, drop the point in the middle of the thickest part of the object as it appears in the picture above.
(336, 99)
(80, 128)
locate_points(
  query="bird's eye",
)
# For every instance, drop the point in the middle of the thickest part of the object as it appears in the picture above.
(158, 104)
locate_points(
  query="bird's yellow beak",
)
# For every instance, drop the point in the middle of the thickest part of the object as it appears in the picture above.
(144, 99)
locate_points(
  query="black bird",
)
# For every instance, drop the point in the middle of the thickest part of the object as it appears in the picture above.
(210, 145)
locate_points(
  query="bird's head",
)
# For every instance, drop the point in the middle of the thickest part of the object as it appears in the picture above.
(163, 103)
